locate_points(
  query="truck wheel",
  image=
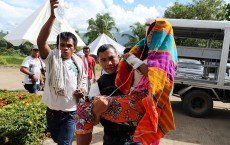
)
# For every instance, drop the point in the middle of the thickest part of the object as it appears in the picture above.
(197, 103)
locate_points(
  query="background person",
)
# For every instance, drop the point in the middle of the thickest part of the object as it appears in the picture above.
(89, 64)
(31, 67)
(65, 79)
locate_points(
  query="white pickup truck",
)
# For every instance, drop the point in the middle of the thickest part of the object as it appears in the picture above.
(202, 72)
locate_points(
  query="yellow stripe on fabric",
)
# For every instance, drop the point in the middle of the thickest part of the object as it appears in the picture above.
(161, 88)
(157, 79)
(166, 120)
(165, 94)
(163, 25)
(158, 50)
(136, 51)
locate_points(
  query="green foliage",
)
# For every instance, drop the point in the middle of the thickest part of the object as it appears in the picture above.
(138, 33)
(179, 11)
(102, 24)
(22, 118)
(7, 47)
(2, 61)
(25, 48)
(13, 60)
(2, 35)
(11, 52)
(227, 12)
(3, 43)
(202, 43)
(199, 9)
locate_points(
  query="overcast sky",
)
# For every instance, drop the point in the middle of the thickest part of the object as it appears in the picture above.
(125, 12)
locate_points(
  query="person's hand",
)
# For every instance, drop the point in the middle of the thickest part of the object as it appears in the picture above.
(132, 60)
(79, 93)
(53, 5)
(34, 78)
(42, 83)
(94, 79)
(100, 105)
(126, 55)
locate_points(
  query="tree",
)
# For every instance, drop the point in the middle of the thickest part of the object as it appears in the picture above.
(24, 48)
(179, 11)
(77, 31)
(199, 9)
(102, 24)
(138, 33)
(3, 43)
(228, 12)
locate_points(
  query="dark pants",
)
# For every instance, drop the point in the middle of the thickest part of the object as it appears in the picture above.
(32, 88)
(61, 126)
(116, 134)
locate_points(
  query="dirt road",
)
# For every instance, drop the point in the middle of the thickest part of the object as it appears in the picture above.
(212, 130)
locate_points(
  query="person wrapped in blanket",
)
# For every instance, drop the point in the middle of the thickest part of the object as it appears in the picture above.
(145, 107)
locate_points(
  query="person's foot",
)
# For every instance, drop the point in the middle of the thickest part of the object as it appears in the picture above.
(100, 105)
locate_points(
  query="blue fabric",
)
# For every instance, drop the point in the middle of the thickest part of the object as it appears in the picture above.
(32, 88)
(61, 126)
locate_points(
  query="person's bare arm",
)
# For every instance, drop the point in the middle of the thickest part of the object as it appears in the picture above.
(26, 71)
(43, 46)
(143, 69)
(41, 79)
(94, 74)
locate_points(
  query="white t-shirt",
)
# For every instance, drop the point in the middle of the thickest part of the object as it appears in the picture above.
(58, 102)
(34, 66)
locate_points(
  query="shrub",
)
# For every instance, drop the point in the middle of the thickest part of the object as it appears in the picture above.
(22, 118)
(13, 60)
(2, 61)
(11, 52)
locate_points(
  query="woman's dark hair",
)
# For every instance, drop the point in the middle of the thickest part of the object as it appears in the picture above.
(105, 47)
(127, 49)
(66, 36)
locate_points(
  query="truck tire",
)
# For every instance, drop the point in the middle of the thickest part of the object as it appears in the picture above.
(197, 103)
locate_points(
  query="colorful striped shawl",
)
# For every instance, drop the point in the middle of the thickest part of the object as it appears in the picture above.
(160, 48)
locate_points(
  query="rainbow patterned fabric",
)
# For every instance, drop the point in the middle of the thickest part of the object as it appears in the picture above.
(160, 49)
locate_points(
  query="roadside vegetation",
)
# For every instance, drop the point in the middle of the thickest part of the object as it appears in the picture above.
(11, 60)
(22, 117)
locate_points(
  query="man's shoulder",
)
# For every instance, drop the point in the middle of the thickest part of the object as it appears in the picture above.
(90, 57)
(107, 76)
(77, 58)
(28, 58)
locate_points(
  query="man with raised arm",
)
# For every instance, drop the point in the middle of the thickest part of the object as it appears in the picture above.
(65, 80)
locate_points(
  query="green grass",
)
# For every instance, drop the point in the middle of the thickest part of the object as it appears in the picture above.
(13, 60)
(17, 61)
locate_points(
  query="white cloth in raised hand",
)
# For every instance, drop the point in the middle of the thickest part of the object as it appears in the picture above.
(60, 11)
